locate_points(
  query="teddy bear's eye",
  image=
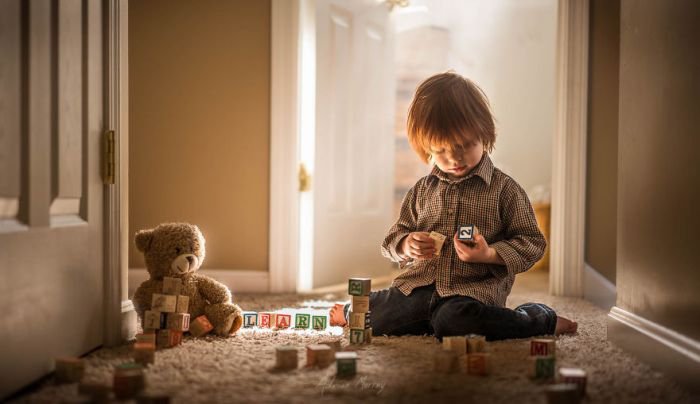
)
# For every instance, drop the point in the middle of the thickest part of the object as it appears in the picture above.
(177, 250)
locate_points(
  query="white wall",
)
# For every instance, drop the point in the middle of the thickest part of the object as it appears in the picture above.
(508, 48)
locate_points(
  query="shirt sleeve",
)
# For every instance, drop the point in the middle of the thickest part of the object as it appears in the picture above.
(405, 224)
(523, 244)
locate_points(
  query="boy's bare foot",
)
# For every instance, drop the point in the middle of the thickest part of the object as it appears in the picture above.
(337, 315)
(565, 326)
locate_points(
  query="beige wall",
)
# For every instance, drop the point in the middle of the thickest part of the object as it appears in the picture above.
(601, 175)
(199, 124)
(659, 189)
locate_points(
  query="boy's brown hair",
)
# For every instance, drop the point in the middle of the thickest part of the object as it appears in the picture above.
(445, 107)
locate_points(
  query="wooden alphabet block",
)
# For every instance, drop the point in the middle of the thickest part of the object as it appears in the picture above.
(467, 233)
(178, 321)
(319, 322)
(319, 355)
(148, 337)
(542, 367)
(172, 286)
(445, 361)
(154, 320)
(183, 303)
(359, 286)
(168, 338)
(360, 304)
(542, 347)
(479, 363)
(283, 320)
(286, 357)
(359, 320)
(357, 336)
(144, 353)
(69, 370)
(200, 326)
(563, 393)
(129, 380)
(302, 320)
(458, 344)
(163, 303)
(476, 343)
(575, 376)
(250, 319)
(439, 241)
(346, 364)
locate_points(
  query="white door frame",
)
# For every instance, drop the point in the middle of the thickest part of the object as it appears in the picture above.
(120, 317)
(569, 147)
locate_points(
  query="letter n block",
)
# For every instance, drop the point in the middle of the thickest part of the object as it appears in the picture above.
(319, 322)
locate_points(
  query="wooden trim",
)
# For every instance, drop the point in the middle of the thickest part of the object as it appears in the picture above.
(569, 144)
(664, 349)
(115, 196)
(597, 289)
(284, 140)
(238, 280)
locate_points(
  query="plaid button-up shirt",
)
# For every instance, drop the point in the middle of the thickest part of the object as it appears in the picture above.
(487, 198)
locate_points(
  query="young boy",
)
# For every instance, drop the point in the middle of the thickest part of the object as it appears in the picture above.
(462, 288)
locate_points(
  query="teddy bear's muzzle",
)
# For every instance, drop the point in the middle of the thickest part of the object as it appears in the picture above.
(185, 263)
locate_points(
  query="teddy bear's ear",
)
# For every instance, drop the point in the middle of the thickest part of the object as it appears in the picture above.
(143, 239)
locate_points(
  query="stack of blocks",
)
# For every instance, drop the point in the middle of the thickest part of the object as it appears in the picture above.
(168, 317)
(542, 358)
(477, 361)
(360, 330)
(283, 320)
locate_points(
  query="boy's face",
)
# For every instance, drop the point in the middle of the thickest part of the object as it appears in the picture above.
(457, 160)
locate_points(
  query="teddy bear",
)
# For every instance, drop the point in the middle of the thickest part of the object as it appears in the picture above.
(177, 250)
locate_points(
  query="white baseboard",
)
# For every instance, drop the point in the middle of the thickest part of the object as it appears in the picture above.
(598, 289)
(238, 280)
(668, 351)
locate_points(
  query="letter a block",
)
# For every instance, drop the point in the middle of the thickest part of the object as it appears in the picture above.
(283, 320)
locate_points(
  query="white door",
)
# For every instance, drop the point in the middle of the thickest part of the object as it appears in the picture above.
(51, 242)
(354, 149)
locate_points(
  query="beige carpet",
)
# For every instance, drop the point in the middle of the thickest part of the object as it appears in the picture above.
(391, 369)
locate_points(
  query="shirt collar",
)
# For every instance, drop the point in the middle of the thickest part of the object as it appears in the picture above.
(483, 170)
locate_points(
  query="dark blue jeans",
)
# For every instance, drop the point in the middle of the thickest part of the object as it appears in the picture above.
(424, 312)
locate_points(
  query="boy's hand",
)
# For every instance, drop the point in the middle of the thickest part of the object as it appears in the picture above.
(418, 245)
(477, 252)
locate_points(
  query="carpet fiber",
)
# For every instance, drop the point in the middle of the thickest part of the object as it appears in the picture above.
(391, 369)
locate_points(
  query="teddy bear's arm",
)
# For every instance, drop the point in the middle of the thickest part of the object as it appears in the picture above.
(213, 291)
(142, 296)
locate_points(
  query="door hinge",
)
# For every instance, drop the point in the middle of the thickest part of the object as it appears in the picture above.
(108, 158)
(304, 179)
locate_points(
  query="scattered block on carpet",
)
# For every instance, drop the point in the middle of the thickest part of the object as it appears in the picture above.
(302, 320)
(346, 364)
(172, 286)
(319, 355)
(476, 343)
(479, 363)
(250, 319)
(69, 370)
(458, 344)
(439, 241)
(359, 320)
(183, 304)
(168, 338)
(178, 321)
(283, 320)
(98, 392)
(359, 304)
(542, 367)
(149, 337)
(144, 353)
(153, 320)
(200, 326)
(543, 347)
(286, 357)
(152, 398)
(334, 344)
(445, 361)
(163, 303)
(129, 380)
(359, 286)
(319, 322)
(563, 393)
(575, 376)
